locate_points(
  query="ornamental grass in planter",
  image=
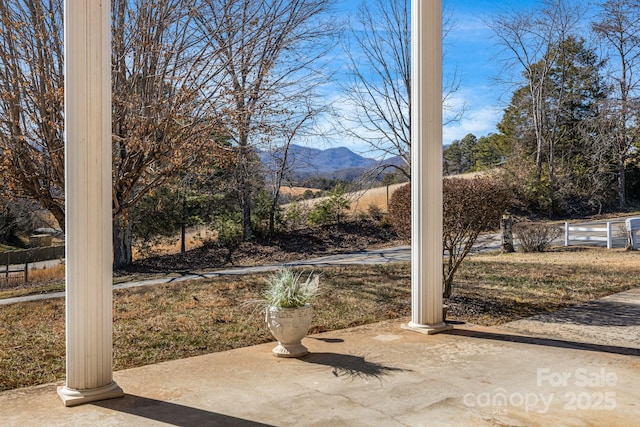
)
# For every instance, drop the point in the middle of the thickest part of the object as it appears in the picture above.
(289, 311)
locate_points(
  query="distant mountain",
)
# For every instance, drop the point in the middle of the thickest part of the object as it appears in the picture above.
(333, 163)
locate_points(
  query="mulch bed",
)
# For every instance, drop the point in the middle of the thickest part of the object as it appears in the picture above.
(344, 237)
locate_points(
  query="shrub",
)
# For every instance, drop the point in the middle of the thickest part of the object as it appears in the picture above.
(535, 237)
(228, 228)
(330, 210)
(294, 216)
(470, 207)
(375, 213)
(400, 212)
(8, 224)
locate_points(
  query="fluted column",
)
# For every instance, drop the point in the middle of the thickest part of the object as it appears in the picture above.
(87, 36)
(426, 167)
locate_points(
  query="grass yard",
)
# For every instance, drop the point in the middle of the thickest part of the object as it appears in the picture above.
(494, 289)
(171, 321)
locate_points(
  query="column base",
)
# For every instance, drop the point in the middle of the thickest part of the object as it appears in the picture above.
(73, 397)
(427, 329)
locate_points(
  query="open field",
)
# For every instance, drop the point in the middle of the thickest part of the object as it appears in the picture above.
(184, 319)
(360, 201)
(297, 191)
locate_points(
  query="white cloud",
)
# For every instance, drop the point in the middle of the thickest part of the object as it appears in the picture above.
(479, 121)
(483, 111)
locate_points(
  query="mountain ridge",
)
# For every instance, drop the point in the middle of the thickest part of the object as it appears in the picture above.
(334, 162)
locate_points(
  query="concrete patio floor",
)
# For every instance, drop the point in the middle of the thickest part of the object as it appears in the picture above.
(576, 367)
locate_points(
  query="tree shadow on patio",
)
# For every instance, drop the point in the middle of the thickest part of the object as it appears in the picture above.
(549, 342)
(173, 413)
(596, 313)
(345, 365)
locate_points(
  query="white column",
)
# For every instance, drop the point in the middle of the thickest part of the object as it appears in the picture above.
(87, 37)
(426, 167)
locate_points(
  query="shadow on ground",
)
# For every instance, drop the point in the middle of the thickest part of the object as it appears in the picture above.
(172, 413)
(597, 313)
(627, 351)
(345, 365)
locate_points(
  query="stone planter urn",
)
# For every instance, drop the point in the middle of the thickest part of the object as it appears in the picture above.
(289, 326)
(288, 311)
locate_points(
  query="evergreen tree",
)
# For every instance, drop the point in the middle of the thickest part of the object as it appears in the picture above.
(573, 92)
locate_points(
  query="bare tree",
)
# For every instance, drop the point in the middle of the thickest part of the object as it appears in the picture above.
(379, 86)
(165, 83)
(163, 87)
(31, 102)
(282, 162)
(270, 51)
(530, 40)
(618, 26)
(599, 132)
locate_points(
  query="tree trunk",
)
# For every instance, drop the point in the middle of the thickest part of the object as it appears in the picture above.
(183, 235)
(506, 227)
(183, 225)
(122, 242)
(247, 232)
(58, 213)
(622, 197)
(245, 190)
(276, 190)
(552, 179)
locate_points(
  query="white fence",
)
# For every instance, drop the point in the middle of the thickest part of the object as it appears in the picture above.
(569, 229)
(633, 226)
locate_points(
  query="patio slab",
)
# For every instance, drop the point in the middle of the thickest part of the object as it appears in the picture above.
(578, 367)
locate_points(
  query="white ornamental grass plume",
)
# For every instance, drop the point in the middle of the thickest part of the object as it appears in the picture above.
(286, 289)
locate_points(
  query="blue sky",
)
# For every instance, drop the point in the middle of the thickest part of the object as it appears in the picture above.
(471, 50)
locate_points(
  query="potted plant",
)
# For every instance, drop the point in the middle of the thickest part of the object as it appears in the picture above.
(288, 309)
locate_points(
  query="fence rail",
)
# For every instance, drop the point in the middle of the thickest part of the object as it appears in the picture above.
(24, 256)
(17, 276)
(633, 226)
(608, 237)
(14, 265)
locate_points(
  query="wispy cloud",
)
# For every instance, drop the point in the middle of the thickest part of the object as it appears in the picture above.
(482, 113)
(480, 121)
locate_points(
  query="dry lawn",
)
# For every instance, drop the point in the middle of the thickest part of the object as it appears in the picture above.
(46, 275)
(493, 289)
(42, 280)
(184, 319)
